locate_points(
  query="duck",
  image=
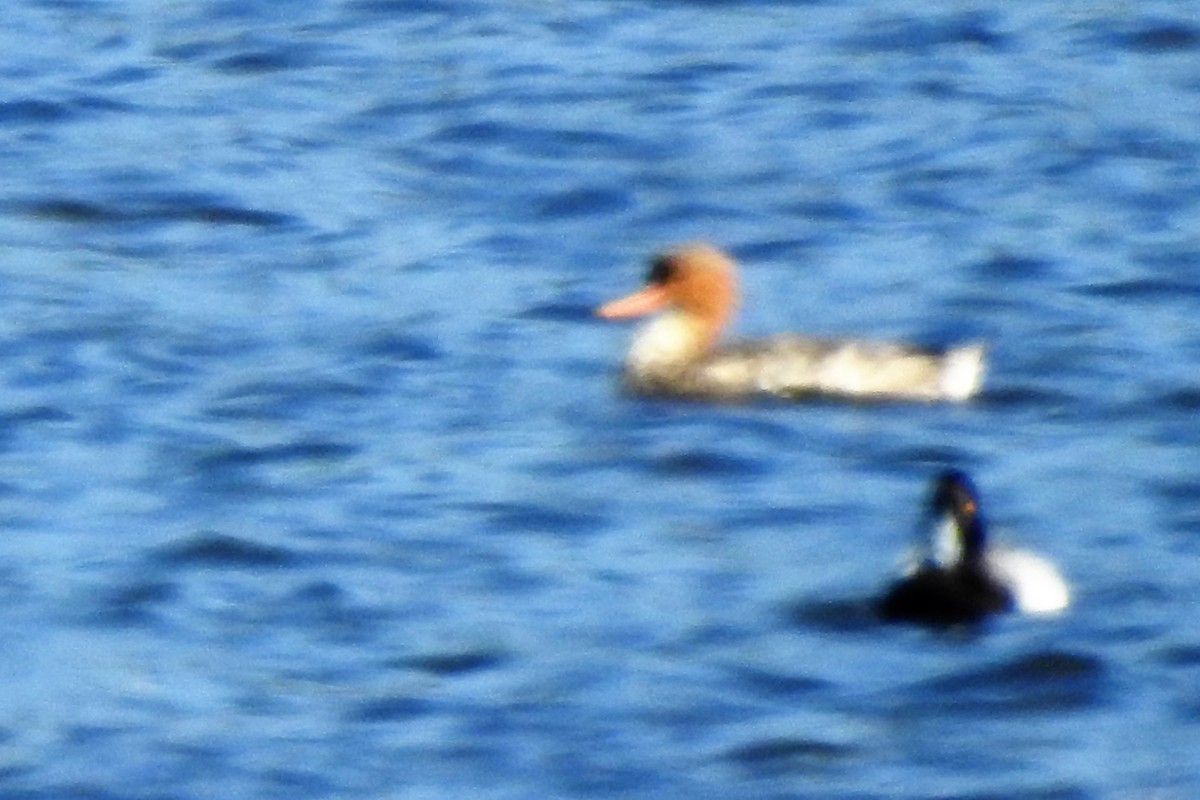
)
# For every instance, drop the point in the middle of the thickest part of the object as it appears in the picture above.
(963, 578)
(678, 353)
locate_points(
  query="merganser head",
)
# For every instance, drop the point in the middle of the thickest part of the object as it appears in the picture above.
(696, 284)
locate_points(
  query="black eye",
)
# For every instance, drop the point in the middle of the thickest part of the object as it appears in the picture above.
(661, 270)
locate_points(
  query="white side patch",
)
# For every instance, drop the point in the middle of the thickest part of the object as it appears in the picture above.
(1035, 583)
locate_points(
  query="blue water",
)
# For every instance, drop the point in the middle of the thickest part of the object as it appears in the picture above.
(314, 476)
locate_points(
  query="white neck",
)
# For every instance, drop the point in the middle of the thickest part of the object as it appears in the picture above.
(669, 340)
(947, 542)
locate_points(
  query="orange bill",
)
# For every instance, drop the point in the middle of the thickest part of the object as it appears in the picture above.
(643, 301)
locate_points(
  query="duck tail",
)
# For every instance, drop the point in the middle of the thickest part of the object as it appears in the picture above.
(962, 371)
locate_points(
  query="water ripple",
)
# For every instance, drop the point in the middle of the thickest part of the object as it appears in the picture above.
(1046, 682)
(288, 398)
(180, 207)
(919, 34)
(1149, 35)
(462, 662)
(212, 549)
(701, 463)
(395, 708)
(236, 457)
(34, 112)
(548, 518)
(583, 202)
(134, 604)
(786, 754)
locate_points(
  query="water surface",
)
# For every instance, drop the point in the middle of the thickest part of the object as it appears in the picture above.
(314, 476)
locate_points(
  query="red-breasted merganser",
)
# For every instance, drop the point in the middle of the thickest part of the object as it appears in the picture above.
(963, 578)
(676, 354)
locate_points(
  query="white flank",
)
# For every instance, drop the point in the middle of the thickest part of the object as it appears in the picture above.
(1035, 583)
